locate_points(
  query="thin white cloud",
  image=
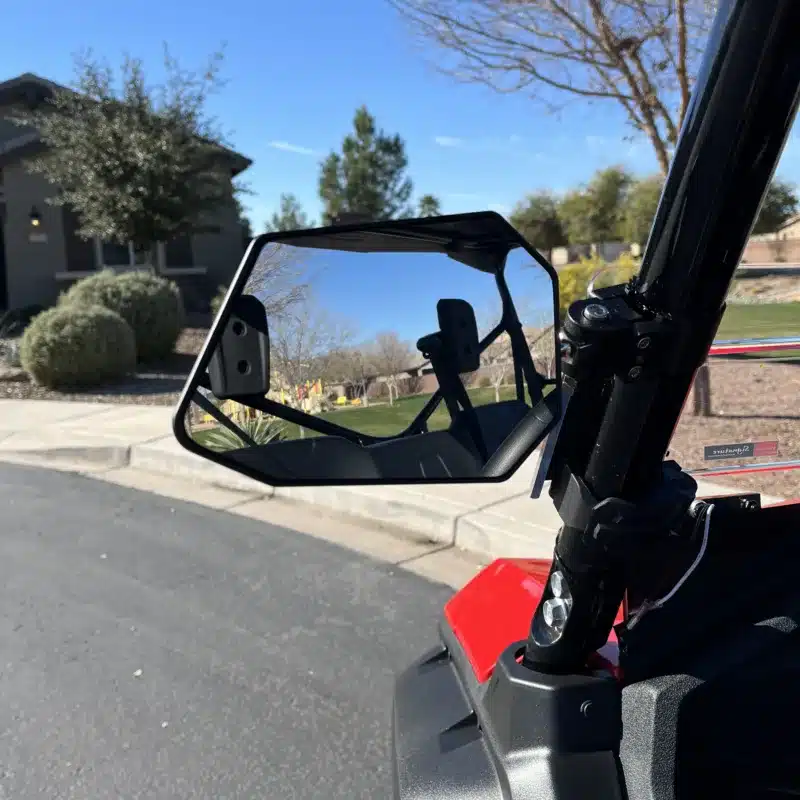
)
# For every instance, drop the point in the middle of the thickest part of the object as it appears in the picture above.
(448, 141)
(288, 147)
(492, 144)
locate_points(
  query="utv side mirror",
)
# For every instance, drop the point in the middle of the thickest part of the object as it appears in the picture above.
(341, 357)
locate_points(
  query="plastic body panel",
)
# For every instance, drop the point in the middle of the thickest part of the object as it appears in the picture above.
(520, 735)
(711, 711)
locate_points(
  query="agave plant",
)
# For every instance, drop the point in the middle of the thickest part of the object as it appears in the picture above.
(261, 429)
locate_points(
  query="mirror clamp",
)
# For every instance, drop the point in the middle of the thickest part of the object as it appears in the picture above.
(601, 337)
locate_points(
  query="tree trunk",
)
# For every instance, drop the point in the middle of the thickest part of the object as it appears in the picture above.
(702, 392)
(497, 394)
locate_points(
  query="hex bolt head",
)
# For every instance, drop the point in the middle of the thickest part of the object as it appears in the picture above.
(595, 312)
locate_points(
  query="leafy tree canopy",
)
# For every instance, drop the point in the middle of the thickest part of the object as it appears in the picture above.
(137, 163)
(289, 216)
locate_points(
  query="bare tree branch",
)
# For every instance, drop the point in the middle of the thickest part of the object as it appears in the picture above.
(642, 54)
(279, 280)
(393, 357)
(303, 340)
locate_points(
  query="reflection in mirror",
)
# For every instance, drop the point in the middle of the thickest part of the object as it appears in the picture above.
(377, 359)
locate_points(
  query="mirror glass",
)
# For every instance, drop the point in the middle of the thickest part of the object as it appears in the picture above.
(357, 357)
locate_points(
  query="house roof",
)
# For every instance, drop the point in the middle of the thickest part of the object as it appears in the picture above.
(34, 89)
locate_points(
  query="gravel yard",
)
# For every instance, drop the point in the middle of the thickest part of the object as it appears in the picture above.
(752, 402)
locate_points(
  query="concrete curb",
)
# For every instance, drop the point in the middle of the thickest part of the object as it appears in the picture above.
(183, 464)
(512, 526)
(110, 457)
(373, 504)
(482, 531)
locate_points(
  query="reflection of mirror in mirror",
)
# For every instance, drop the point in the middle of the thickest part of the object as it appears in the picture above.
(383, 374)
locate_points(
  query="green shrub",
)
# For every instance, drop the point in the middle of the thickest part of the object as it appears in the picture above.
(150, 304)
(77, 346)
(216, 303)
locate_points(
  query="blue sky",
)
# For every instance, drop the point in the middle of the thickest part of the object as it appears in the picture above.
(297, 71)
(374, 292)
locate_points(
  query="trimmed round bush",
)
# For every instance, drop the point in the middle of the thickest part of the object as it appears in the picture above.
(150, 304)
(71, 345)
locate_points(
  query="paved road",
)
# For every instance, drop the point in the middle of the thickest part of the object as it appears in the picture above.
(266, 656)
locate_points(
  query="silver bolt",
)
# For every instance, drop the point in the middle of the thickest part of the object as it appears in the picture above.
(635, 373)
(555, 612)
(558, 584)
(595, 311)
(643, 343)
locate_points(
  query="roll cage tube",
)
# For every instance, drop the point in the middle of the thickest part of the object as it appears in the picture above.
(631, 352)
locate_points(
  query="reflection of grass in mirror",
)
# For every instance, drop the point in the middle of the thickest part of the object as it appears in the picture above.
(378, 419)
(262, 430)
(382, 419)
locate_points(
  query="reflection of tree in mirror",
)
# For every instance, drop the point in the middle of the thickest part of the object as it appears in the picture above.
(543, 350)
(278, 279)
(497, 363)
(497, 360)
(353, 367)
(304, 343)
(393, 358)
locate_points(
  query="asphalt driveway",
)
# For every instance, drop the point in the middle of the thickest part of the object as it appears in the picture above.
(158, 649)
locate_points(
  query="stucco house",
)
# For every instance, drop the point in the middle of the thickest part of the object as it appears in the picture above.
(40, 253)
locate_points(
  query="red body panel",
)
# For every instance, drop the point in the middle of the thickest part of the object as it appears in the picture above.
(495, 608)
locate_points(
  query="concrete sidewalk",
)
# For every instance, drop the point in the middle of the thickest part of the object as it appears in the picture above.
(489, 520)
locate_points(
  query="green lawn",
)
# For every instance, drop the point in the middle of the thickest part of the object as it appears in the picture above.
(381, 419)
(760, 321)
(386, 420)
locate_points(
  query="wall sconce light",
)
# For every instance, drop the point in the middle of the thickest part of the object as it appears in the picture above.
(35, 217)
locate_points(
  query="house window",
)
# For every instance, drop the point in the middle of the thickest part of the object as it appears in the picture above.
(80, 252)
(113, 254)
(176, 254)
